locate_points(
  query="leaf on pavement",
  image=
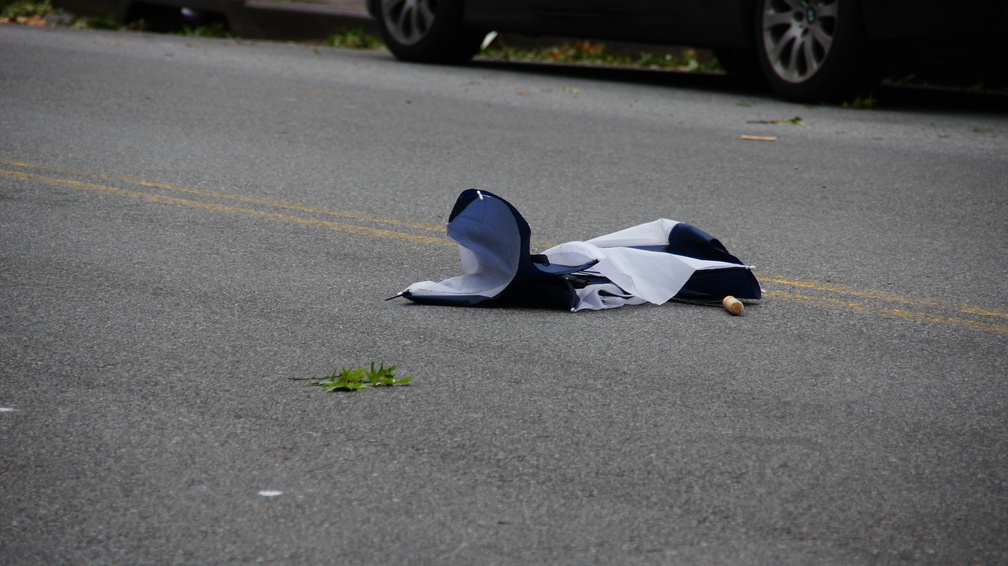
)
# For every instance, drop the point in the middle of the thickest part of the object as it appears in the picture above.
(796, 121)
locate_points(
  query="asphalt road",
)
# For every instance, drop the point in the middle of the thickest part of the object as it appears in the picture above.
(187, 223)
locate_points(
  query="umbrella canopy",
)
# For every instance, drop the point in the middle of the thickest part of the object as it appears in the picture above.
(647, 263)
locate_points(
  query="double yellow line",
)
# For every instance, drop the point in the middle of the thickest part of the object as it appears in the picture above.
(48, 175)
(823, 294)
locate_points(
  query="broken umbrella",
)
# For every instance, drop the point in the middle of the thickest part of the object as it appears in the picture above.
(648, 263)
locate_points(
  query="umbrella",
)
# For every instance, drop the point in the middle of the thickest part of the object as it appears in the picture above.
(648, 263)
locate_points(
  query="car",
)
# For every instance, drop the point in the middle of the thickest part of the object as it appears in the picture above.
(805, 50)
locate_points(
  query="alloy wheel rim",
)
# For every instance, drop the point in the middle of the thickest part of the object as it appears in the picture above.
(409, 21)
(798, 36)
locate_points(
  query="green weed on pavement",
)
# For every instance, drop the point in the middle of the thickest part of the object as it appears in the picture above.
(355, 379)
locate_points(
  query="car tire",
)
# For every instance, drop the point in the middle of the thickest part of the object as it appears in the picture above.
(427, 31)
(813, 50)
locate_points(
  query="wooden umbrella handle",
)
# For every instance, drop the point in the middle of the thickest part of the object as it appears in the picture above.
(733, 305)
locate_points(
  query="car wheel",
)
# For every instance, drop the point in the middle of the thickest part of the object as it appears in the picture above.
(813, 50)
(427, 31)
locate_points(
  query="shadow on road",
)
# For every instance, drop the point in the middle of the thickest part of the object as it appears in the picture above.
(887, 96)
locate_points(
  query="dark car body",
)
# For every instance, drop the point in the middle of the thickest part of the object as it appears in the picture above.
(694, 22)
(737, 30)
(716, 23)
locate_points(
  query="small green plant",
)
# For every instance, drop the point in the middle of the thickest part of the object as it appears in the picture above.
(589, 53)
(43, 13)
(102, 23)
(215, 29)
(867, 102)
(360, 378)
(26, 9)
(354, 39)
(345, 380)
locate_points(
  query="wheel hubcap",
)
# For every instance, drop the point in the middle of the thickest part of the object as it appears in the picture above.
(797, 36)
(408, 21)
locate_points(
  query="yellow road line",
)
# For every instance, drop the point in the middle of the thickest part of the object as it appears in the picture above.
(350, 228)
(891, 312)
(885, 296)
(275, 203)
(821, 286)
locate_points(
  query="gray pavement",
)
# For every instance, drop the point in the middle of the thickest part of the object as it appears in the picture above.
(185, 223)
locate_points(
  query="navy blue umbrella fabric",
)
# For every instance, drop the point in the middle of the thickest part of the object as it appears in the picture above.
(648, 263)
